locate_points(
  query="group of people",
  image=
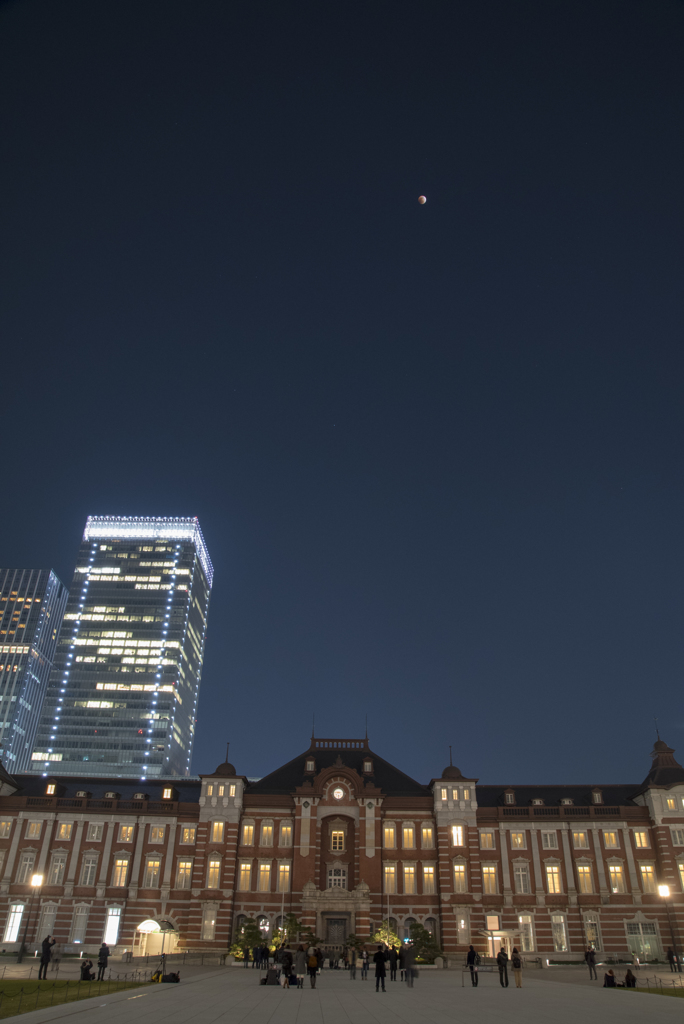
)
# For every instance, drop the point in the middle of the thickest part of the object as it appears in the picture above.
(473, 960)
(403, 958)
(296, 964)
(87, 973)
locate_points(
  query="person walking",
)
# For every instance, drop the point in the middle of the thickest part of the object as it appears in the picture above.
(590, 957)
(472, 960)
(300, 966)
(312, 966)
(45, 956)
(364, 965)
(379, 961)
(409, 962)
(402, 960)
(102, 958)
(671, 960)
(516, 964)
(502, 963)
(393, 959)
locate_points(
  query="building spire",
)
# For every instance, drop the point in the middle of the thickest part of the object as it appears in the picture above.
(450, 758)
(313, 726)
(227, 749)
(656, 727)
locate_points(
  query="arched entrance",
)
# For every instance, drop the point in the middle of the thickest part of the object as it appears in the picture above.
(154, 937)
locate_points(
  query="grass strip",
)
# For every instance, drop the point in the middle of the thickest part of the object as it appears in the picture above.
(21, 996)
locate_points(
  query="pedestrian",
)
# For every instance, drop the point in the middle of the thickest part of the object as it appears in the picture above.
(56, 957)
(409, 962)
(630, 980)
(300, 966)
(502, 963)
(86, 973)
(102, 958)
(45, 956)
(635, 962)
(256, 957)
(609, 980)
(402, 960)
(516, 963)
(364, 965)
(265, 953)
(393, 960)
(379, 961)
(312, 966)
(286, 962)
(245, 953)
(473, 959)
(590, 957)
(671, 960)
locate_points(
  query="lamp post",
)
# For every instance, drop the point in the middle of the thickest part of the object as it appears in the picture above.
(36, 882)
(664, 892)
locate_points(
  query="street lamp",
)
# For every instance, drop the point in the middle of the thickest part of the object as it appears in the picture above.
(36, 882)
(664, 892)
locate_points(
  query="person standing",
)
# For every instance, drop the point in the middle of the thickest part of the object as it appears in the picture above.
(402, 961)
(671, 960)
(393, 958)
(379, 961)
(102, 958)
(472, 960)
(409, 964)
(590, 957)
(312, 966)
(516, 963)
(56, 957)
(352, 964)
(256, 957)
(300, 966)
(45, 956)
(286, 962)
(502, 963)
(364, 965)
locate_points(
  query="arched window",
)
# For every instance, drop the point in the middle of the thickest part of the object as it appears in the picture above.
(431, 926)
(408, 921)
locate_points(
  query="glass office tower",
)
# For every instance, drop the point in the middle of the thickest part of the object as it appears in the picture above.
(32, 603)
(122, 699)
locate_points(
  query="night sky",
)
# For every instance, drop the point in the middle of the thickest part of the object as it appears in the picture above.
(436, 451)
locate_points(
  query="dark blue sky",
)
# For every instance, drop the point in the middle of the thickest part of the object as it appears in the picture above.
(436, 451)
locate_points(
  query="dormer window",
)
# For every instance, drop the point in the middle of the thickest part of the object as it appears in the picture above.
(596, 796)
(167, 793)
(311, 765)
(368, 766)
(537, 802)
(110, 796)
(139, 796)
(51, 789)
(81, 793)
(509, 797)
(567, 802)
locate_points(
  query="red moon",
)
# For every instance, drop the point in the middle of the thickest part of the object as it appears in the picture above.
(422, 199)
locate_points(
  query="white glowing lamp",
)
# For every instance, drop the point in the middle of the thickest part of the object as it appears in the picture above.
(664, 891)
(36, 881)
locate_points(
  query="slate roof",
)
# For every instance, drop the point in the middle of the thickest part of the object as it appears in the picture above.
(34, 785)
(385, 776)
(613, 796)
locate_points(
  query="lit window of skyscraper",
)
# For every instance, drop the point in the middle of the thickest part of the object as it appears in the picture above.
(122, 699)
(32, 603)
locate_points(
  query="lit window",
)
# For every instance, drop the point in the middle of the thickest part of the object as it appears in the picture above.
(584, 878)
(283, 878)
(454, 794)
(152, 873)
(486, 840)
(217, 832)
(167, 794)
(671, 806)
(264, 878)
(51, 789)
(286, 835)
(457, 835)
(641, 840)
(681, 874)
(188, 835)
(208, 923)
(232, 789)
(517, 840)
(580, 840)
(34, 829)
(210, 789)
(337, 841)
(617, 878)
(13, 922)
(592, 932)
(184, 874)
(390, 878)
(427, 837)
(221, 790)
(409, 837)
(521, 874)
(559, 932)
(64, 830)
(549, 840)
(368, 766)
(610, 840)
(248, 835)
(245, 877)
(460, 878)
(428, 879)
(213, 873)
(389, 837)
(648, 879)
(5, 829)
(409, 879)
(267, 835)
(466, 794)
(125, 833)
(553, 878)
(444, 794)
(597, 797)
(489, 879)
(526, 936)
(120, 871)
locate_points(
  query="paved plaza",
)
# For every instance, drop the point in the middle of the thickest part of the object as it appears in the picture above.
(233, 996)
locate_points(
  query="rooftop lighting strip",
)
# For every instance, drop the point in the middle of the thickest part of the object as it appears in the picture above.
(150, 528)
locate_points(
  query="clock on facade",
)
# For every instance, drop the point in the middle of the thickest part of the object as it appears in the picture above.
(338, 793)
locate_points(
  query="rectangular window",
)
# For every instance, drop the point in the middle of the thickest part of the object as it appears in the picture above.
(184, 874)
(46, 924)
(466, 794)
(264, 878)
(26, 862)
(443, 794)
(112, 922)
(152, 873)
(408, 837)
(167, 794)
(617, 878)
(208, 923)
(390, 878)
(95, 832)
(641, 840)
(120, 871)
(521, 873)
(409, 879)
(678, 836)
(267, 835)
(460, 878)
(210, 789)
(57, 869)
(427, 837)
(670, 802)
(559, 931)
(389, 834)
(580, 840)
(486, 840)
(553, 878)
(232, 789)
(526, 936)
(64, 830)
(217, 832)
(13, 922)
(5, 829)
(489, 879)
(248, 835)
(286, 835)
(337, 841)
(610, 840)
(681, 874)
(549, 840)
(592, 933)
(157, 833)
(125, 833)
(213, 873)
(245, 877)
(457, 835)
(188, 833)
(584, 878)
(428, 879)
(79, 924)
(648, 879)
(33, 829)
(89, 869)
(283, 878)
(518, 841)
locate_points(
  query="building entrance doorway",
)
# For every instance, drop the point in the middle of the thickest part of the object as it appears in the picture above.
(336, 931)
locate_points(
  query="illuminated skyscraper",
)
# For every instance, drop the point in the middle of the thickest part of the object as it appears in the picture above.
(32, 603)
(123, 694)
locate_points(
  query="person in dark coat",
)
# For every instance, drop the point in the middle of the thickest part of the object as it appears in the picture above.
(86, 973)
(45, 956)
(590, 957)
(609, 980)
(402, 961)
(286, 964)
(630, 980)
(393, 960)
(671, 960)
(256, 954)
(472, 961)
(102, 958)
(502, 963)
(379, 961)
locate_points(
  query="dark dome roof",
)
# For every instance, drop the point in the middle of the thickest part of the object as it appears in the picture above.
(226, 769)
(452, 772)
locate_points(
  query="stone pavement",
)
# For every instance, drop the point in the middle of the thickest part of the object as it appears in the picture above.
(231, 996)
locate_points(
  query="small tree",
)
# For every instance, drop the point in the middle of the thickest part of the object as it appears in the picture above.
(425, 944)
(386, 934)
(293, 927)
(249, 935)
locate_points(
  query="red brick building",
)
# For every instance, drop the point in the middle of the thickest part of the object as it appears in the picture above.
(344, 840)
